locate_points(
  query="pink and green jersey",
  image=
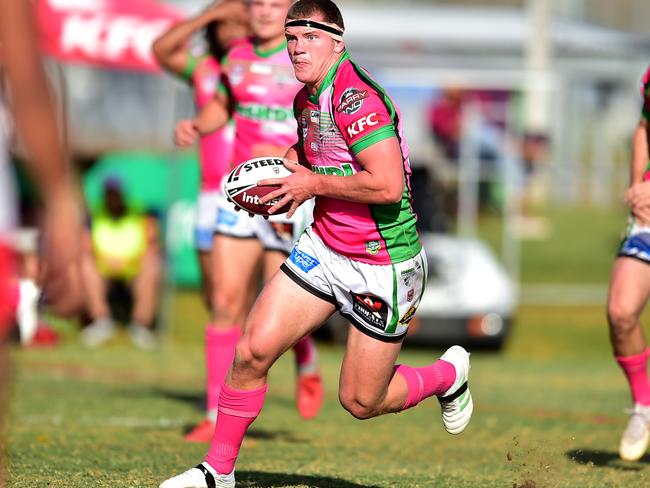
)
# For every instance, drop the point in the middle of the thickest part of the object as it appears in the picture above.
(645, 111)
(215, 150)
(645, 93)
(262, 86)
(350, 113)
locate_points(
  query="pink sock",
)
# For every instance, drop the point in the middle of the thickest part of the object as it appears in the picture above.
(220, 347)
(427, 381)
(237, 410)
(305, 351)
(636, 370)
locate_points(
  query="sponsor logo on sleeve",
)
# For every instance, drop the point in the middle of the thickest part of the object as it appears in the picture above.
(358, 126)
(303, 260)
(373, 310)
(373, 247)
(351, 101)
(236, 74)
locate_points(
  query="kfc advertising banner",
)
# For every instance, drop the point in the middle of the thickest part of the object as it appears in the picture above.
(107, 33)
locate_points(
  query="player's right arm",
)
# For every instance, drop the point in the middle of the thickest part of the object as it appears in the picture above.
(213, 116)
(638, 195)
(171, 49)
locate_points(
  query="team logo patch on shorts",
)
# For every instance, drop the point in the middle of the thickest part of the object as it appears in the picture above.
(225, 217)
(373, 247)
(406, 318)
(373, 310)
(303, 260)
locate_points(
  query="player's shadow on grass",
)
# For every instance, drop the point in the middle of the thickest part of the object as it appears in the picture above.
(184, 396)
(255, 479)
(275, 435)
(606, 459)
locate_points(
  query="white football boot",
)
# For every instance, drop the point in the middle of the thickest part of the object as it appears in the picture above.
(456, 403)
(202, 476)
(98, 332)
(636, 436)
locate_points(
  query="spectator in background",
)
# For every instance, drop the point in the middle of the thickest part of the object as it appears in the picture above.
(445, 118)
(122, 249)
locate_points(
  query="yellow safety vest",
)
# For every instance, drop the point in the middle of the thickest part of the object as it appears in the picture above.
(119, 245)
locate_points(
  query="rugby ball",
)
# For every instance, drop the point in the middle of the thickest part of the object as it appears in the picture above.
(241, 185)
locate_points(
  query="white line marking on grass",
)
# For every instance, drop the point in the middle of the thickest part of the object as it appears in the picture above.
(127, 422)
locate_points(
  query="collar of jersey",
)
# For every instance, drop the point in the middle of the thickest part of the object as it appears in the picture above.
(329, 78)
(270, 52)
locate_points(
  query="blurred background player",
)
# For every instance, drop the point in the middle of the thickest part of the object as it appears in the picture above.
(362, 254)
(223, 24)
(35, 119)
(257, 92)
(122, 258)
(630, 289)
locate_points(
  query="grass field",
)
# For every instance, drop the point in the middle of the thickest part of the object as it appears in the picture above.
(549, 412)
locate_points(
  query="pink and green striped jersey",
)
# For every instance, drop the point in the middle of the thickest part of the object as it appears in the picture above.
(215, 150)
(262, 86)
(350, 113)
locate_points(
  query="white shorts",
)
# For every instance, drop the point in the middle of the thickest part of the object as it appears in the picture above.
(275, 234)
(206, 219)
(379, 300)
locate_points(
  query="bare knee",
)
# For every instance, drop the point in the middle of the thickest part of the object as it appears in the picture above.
(251, 356)
(359, 407)
(228, 304)
(622, 320)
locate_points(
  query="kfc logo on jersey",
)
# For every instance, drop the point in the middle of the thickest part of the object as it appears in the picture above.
(351, 101)
(358, 126)
(373, 310)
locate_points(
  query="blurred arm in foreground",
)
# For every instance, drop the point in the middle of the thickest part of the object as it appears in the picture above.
(33, 110)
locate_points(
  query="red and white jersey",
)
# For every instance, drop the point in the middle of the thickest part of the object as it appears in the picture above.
(8, 286)
(215, 150)
(350, 113)
(262, 87)
(7, 178)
